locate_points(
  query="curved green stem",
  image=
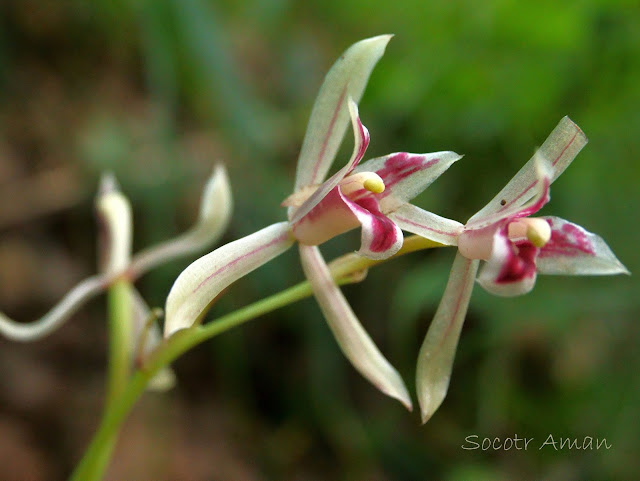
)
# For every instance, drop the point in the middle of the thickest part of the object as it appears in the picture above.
(343, 270)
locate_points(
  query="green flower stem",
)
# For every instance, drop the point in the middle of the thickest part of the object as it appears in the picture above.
(120, 319)
(344, 270)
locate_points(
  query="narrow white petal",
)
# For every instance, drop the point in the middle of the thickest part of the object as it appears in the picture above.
(354, 341)
(205, 278)
(574, 251)
(361, 142)
(114, 215)
(348, 77)
(561, 147)
(70, 303)
(435, 360)
(215, 211)
(428, 225)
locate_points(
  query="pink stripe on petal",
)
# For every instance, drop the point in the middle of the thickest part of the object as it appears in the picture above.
(405, 175)
(511, 269)
(567, 240)
(205, 278)
(352, 338)
(381, 237)
(361, 135)
(329, 119)
(515, 211)
(402, 165)
(572, 250)
(315, 178)
(243, 258)
(520, 265)
(328, 219)
(559, 149)
(427, 224)
(437, 353)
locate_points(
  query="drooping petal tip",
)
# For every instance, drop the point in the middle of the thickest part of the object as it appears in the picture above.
(217, 202)
(352, 338)
(115, 219)
(437, 353)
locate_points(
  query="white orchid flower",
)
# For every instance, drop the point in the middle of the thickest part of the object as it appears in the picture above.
(515, 247)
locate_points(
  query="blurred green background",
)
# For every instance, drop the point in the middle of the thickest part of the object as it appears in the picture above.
(158, 90)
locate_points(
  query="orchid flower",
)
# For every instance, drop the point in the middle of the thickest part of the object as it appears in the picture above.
(215, 211)
(368, 196)
(515, 247)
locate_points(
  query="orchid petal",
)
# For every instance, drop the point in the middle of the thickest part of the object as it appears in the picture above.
(406, 175)
(539, 196)
(561, 147)
(572, 250)
(114, 213)
(381, 237)
(215, 211)
(204, 279)
(428, 225)
(165, 378)
(361, 142)
(70, 303)
(352, 338)
(435, 360)
(347, 78)
(511, 269)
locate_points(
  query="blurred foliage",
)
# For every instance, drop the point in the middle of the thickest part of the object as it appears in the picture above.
(158, 90)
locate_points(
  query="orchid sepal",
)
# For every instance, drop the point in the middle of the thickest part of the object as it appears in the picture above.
(328, 122)
(352, 338)
(435, 359)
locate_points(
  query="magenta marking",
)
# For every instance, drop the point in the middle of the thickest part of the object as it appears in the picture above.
(328, 134)
(365, 138)
(520, 265)
(238, 259)
(513, 201)
(569, 241)
(331, 201)
(458, 304)
(383, 228)
(555, 161)
(400, 166)
(539, 204)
